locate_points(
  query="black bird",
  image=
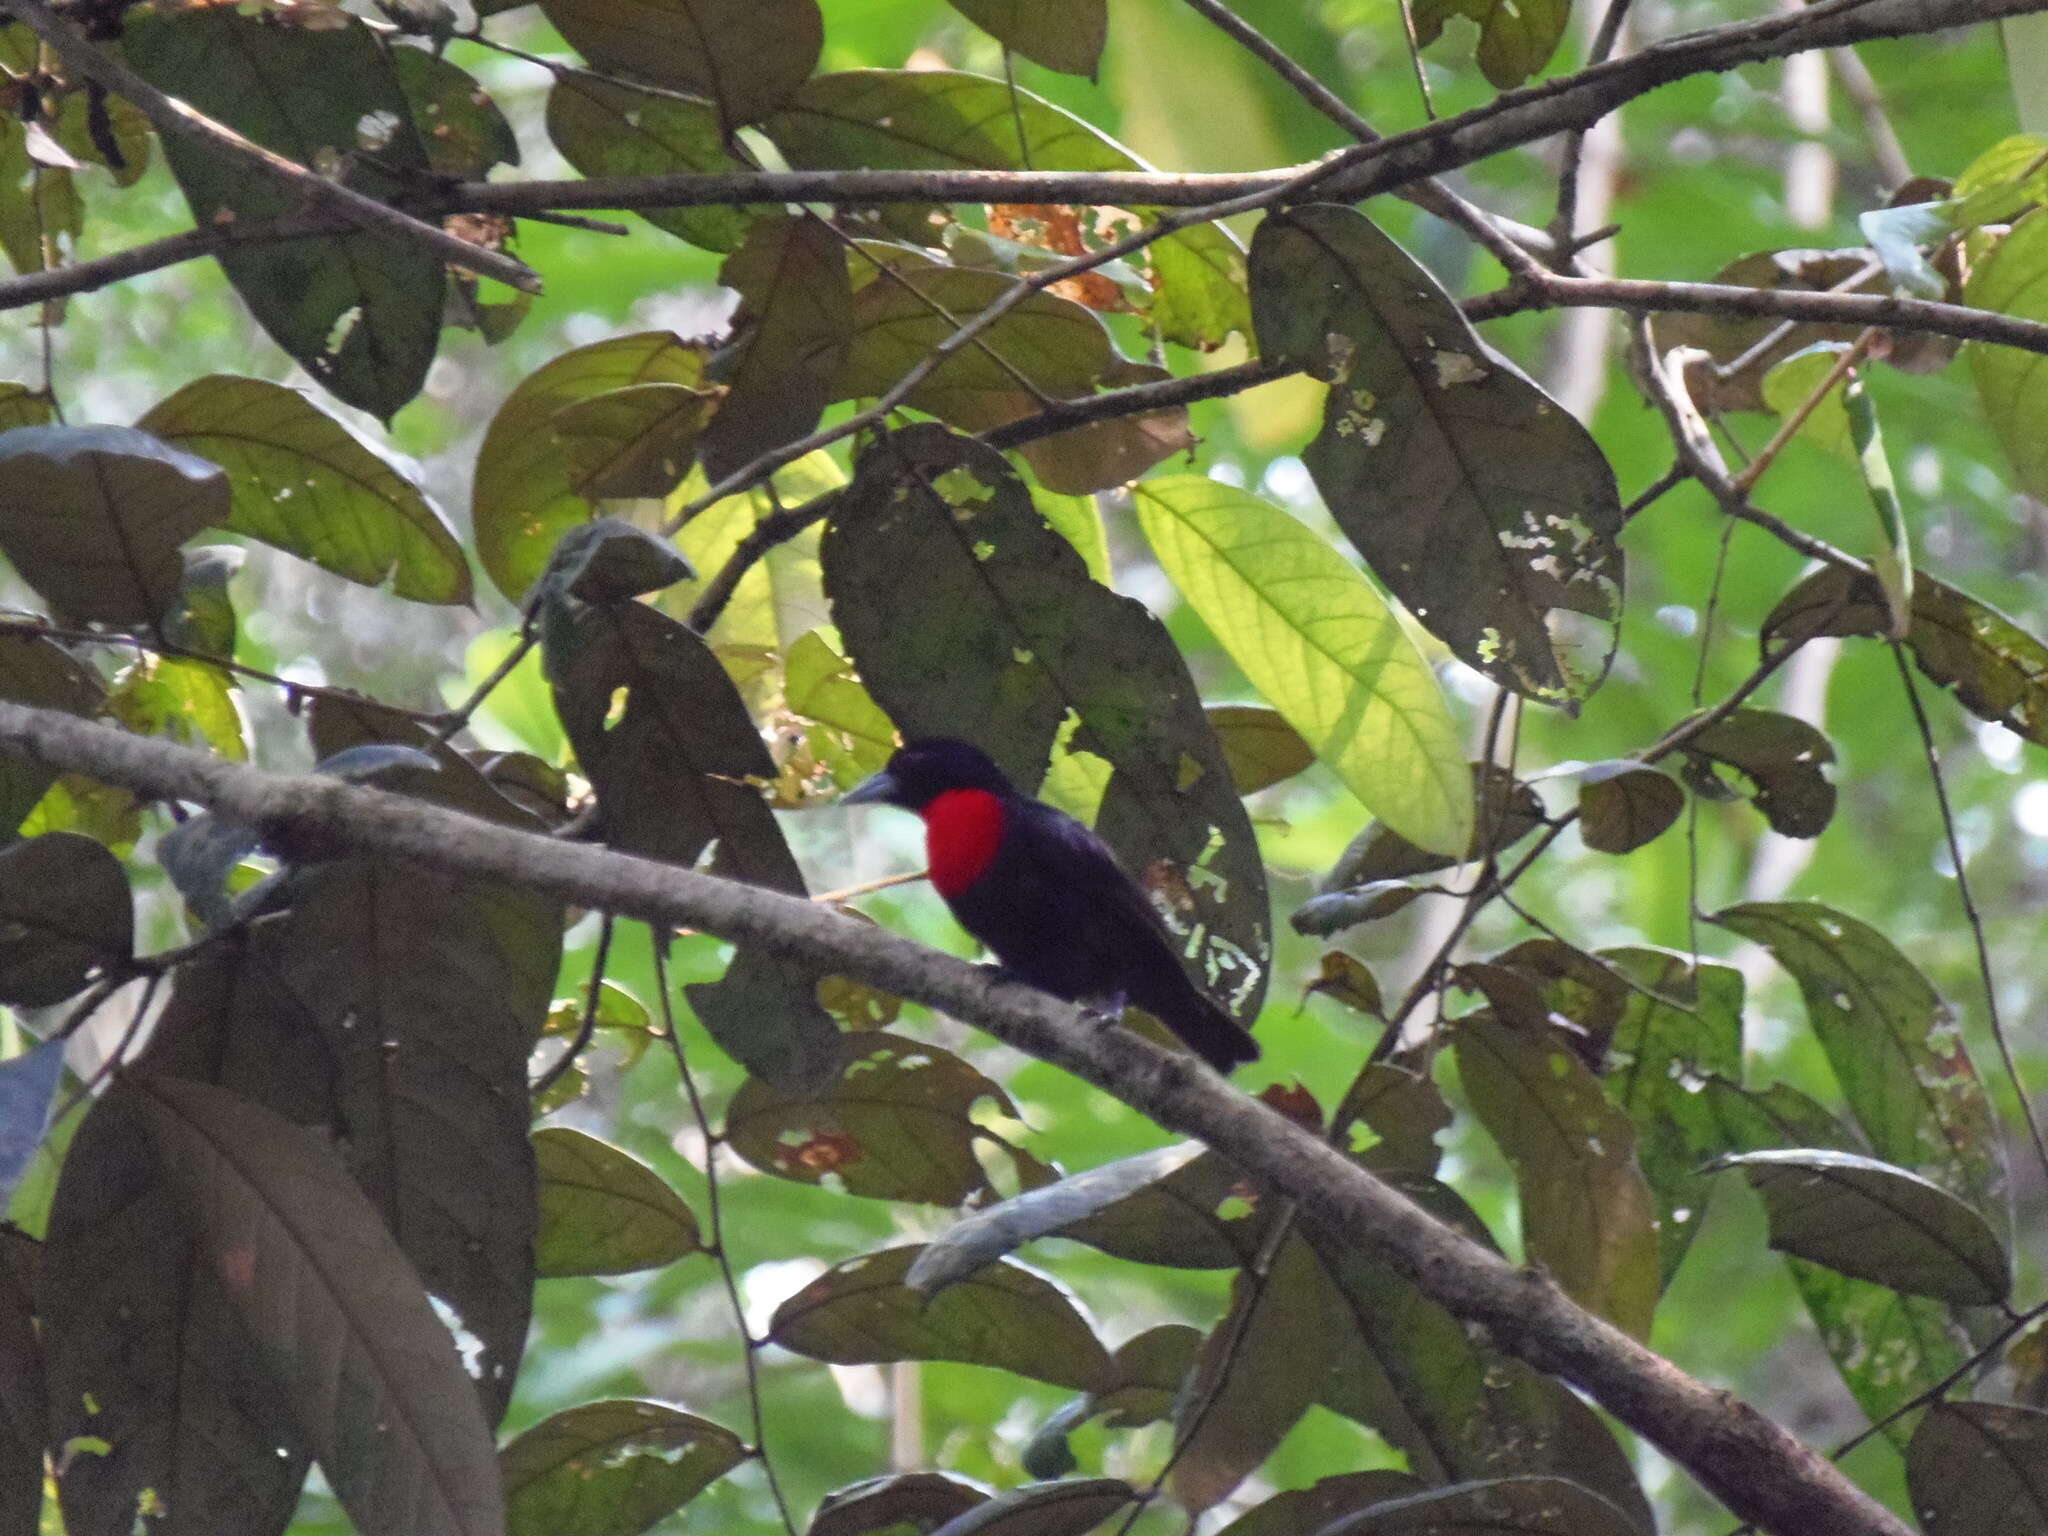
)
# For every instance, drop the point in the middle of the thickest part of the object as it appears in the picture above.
(1046, 895)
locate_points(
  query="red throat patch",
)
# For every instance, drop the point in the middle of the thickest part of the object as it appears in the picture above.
(962, 830)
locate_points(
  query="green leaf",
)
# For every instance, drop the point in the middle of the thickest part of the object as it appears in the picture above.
(1078, 520)
(1066, 35)
(1259, 745)
(1508, 811)
(634, 442)
(1318, 642)
(2013, 280)
(939, 120)
(37, 203)
(668, 745)
(790, 339)
(1586, 1209)
(1877, 1222)
(892, 1120)
(1784, 757)
(849, 731)
(189, 701)
(526, 494)
(65, 912)
(1789, 384)
(1892, 1042)
(611, 1468)
(1727, 338)
(603, 1211)
(967, 616)
(1511, 1506)
(1624, 804)
(361, 312)
(1995, 669)
(338, 1315)
(303, 482)
(861, 1313)
(1002, 1229)
(92, 518)
(1203, 1215)
(460, 127)
(613, 130)
(745, 56)
(21, 406)
(1516, 37)
(1481, 503)
(204, 618)
(1979, 1467)
(1892, 560)
(2002, 182)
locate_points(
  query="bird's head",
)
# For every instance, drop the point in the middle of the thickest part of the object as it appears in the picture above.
(924, 769)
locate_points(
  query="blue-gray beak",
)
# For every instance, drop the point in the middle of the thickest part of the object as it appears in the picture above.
(882, 789)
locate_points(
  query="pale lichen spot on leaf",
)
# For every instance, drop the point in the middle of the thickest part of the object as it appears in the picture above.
(1342, 353)
(343, 327)
(374, 130)
(467, 1344)
(1455, 368)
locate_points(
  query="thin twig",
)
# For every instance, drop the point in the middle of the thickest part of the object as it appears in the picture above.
(1971, 915)
(1797, 417)
(1565, 220)
(587, 1027)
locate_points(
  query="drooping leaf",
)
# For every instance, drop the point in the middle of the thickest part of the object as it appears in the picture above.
(303, 482)
(1002, 1229)
(1509, 1506)
(65, 912)
(745, 56)
(674, 766)
(1481, 504)
(1996, 670)
(1586, 1209)
(603, 1211)
(1544, 985)
(611, 1468)
(1684, 1023)
(92, 518)
(2011, 390)
(21, 406)
(612, 130)
(1515, 40)
(338, 1315)
(967, 616)
(1319, 642)
(1892, 557)
(921, 1500)
(1872, 1220)
(1624, 804)
(1060, 34)
(1102, 455)
(939, 120)
(1783, 757)
(526, 495)
(860, 1312)
(890, 1119)
(361, 312)
(1975, 1467)
(1891, 1041)
(791, 337)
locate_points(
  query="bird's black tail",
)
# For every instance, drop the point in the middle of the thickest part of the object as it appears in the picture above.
(1203, 1027)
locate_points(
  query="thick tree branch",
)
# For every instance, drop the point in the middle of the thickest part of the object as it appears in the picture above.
(174, 118)
(1753, 1465)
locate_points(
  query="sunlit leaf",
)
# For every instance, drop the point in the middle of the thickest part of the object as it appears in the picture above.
(1481, 503)
(1791, 383)
(861, 1312)
(1317, 641)
(1877, 1222)
(188, 701)
(2013, 392)
(611, 1468)
(603, 1211)
(92, 517)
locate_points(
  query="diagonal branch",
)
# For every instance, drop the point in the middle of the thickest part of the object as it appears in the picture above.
(1757, 1468)
(174, 118)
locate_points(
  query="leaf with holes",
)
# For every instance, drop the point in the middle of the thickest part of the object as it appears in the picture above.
(790, 338)
(1319, 642)
(861, 1313)
(603, 1211)
(893, 1120)
(1481, 503)
(1586, 1209)
(526, 495)
(966, 615)
(1977, 1467)
(613, 130)
(65, 912)
(1624, 804)
(92, 518)
(745, 56)
(611, 1468)
(461, 128)
(1877, 1222)
(1783, 757)
(361, 312)
(338, 1315)
(1892, 1042)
